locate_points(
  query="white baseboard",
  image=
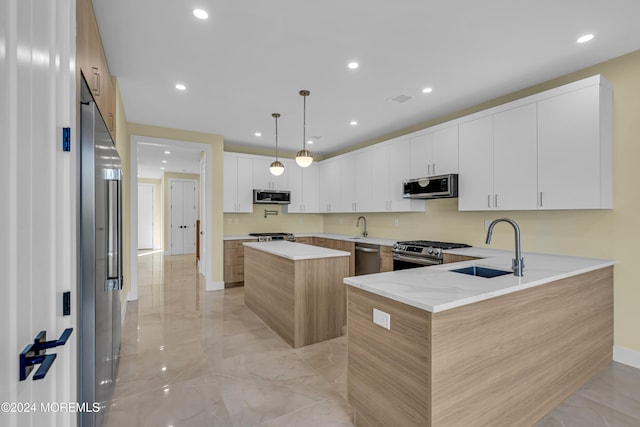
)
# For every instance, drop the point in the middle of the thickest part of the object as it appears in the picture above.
(626, 356)
(123, 312)
(214, 286)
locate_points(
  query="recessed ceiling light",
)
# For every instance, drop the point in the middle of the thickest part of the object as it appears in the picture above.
(353, 123)
(200, 14)
(180, 86)
(353, 65)
(162, 168)
(310, 141)
(427, 90)
(258, 134)
(167, 152)
(585, 38)
(164, 161)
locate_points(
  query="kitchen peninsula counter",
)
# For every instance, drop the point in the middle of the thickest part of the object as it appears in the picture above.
(460, 350)
(296, 289)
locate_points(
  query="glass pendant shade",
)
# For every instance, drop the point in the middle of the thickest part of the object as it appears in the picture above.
(276, 168)
(304, 158)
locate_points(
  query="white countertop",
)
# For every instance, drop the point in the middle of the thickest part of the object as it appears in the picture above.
(295, 251)
(436, 289)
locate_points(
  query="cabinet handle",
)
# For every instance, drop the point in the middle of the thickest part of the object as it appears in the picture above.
(96, 73)
(495, 200)
(541, 199)
(488, 200)
(112, 121)
(434, 168)
(428, 169)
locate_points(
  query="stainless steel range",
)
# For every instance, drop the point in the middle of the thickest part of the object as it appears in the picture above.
(267, 237)
(420, 253)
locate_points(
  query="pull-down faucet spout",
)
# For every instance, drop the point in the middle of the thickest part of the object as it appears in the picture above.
(518, 262)
(364, 230)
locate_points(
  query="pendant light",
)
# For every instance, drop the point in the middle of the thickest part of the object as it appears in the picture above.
(276, 168)
(304, 158)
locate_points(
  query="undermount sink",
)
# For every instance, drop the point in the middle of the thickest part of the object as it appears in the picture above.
(355, 238)
(478, 271)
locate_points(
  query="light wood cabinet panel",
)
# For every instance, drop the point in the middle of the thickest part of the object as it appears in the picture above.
(450, 258)
(92, 63)
(386, 259)
(503, 362)
(234, 262)
(302, 301)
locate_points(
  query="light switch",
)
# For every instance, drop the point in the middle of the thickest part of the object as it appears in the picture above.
(381, 318)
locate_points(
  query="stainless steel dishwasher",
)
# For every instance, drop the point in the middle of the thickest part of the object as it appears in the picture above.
(367, 258)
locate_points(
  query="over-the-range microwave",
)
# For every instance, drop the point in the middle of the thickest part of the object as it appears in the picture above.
(431, 187)
(271, 197)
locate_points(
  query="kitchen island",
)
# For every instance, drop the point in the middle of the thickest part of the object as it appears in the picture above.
(448, 349)
(297, 289)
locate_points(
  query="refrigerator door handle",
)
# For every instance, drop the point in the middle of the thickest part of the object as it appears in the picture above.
(113, 281)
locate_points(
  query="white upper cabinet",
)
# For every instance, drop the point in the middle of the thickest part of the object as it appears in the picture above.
(515, 159)
(444, 155)
(551, 150)
(329, 183)
(475, 179)
(237, 184)
(574, 149)
(435, 153)
(389, 169)
(303, 183)
(498, 161)
(263, 179)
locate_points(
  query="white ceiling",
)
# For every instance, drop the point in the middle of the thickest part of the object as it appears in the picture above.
(251, 58)
(152, 157)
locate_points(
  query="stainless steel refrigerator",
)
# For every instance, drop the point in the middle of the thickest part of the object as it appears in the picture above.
(100, 263)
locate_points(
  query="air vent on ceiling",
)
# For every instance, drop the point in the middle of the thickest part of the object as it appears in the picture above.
(400, 98)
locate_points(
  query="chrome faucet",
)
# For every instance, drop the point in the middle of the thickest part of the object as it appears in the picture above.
(517, 264)
(364, 231)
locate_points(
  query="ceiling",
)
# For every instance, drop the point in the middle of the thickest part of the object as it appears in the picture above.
(154, 159)
(250, 59)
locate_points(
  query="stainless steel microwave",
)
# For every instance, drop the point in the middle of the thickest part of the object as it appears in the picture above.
(431, 187)
(271, 197)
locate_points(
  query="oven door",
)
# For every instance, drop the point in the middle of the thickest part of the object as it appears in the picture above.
(403, 262)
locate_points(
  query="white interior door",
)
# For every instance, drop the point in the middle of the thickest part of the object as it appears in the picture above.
(145, 216)
(183, 216)
(37, 219)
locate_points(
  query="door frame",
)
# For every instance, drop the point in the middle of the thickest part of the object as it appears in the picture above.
(153, 212)
(169, 183)
(134, 140)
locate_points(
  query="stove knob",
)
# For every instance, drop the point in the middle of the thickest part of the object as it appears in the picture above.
(430, 251)
(395, 246)
(437, 252)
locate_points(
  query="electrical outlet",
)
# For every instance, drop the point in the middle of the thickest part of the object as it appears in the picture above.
(381, 318)
(299, 220)
(340, 221)
(396, 222)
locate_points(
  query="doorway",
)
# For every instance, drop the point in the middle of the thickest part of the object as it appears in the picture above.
(146, 212)
(182, 216)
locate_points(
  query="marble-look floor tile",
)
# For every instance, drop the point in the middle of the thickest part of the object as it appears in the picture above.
(195, 358)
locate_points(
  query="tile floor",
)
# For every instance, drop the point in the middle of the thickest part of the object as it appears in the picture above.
(196, 358)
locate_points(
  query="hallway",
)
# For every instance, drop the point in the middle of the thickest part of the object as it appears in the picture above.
(196, 358)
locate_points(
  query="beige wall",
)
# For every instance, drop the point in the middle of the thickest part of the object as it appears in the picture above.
(214, 182)
(244, 223)
(166, 178)
(612, 234)
(158, 212)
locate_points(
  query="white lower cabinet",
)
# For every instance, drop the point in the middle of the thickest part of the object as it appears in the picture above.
(237, 184)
